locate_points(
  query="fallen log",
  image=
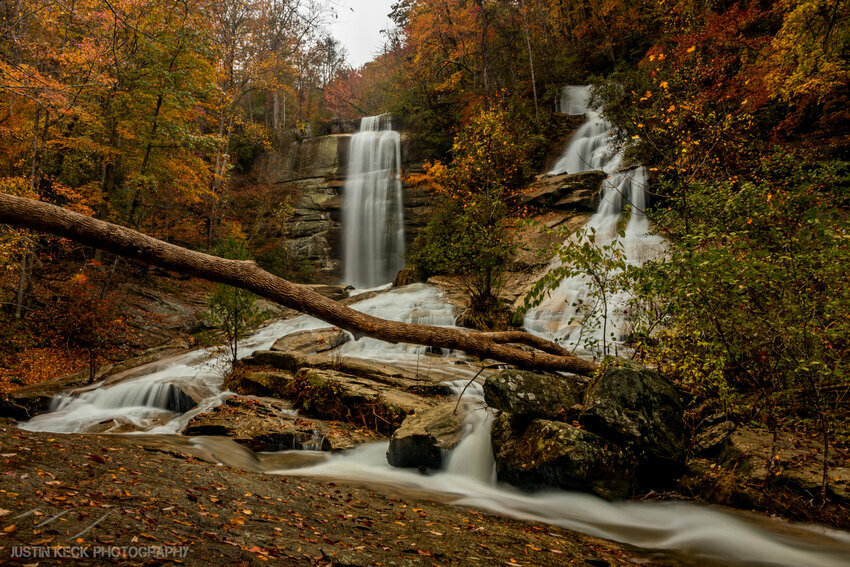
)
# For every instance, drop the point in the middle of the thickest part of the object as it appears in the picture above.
(44, 217)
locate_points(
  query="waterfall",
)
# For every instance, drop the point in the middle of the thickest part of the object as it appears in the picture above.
(560, 315)
(372, 211)
(574, 99)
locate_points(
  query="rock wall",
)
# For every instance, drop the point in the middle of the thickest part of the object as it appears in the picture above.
(311, 174)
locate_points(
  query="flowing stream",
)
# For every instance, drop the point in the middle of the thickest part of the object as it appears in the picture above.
(372, 210)
(570, 314)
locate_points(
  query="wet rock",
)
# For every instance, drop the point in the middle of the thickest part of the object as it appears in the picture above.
(712, 440)
(312, 342)
(570, 191)
(530, 394)
(271, 425)
(36, 398)
(177, 400)
(640, 410)
(405, 277)
(551, 454)
(376, 371)
(248, 383)
(424, 437)
(332, 394)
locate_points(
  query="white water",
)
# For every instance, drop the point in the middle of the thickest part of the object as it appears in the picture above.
(574, 99)
(372, 210)
(561, 314)
(469, 478)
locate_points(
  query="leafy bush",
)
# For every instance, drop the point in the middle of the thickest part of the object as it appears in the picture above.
(754, 295)
(468, 235)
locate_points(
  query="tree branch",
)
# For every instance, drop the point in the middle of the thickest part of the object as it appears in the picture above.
(248, 275)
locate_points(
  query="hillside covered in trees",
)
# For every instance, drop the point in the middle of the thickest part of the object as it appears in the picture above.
(715, 136)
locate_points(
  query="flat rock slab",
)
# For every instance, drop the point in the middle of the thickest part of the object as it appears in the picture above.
(312, 342)
(374, 371)
(271, 425)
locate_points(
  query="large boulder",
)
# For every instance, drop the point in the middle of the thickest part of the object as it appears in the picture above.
(547, 454)
(313, 341)
(270, 425)
(527, 394)
(640, 410)
(423, 438)
(569, 191)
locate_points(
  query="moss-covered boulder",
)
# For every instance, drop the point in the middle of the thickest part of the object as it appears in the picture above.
(527, 394)
(640, 410)
(551, 454)
(423, 438)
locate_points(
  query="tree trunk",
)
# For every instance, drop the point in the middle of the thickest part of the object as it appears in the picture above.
(17, 211)
(530, 55)
(22, 285)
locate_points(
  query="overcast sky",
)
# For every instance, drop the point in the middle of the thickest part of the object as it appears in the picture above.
(359, 27)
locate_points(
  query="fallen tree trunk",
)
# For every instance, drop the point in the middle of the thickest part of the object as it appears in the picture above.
(248, 275)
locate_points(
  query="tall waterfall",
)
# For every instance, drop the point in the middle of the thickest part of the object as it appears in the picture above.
(372, 211)
(560, 315)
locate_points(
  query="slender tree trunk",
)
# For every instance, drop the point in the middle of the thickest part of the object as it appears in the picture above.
(247, 275)
(530, 55)
(22, 284)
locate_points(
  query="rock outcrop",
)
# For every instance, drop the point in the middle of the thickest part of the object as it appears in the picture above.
(309, 175)
(551, 454)
(568, 191)
(263, 424)
(525, 394)
(628, 435)
(641, 410)
(423, 438)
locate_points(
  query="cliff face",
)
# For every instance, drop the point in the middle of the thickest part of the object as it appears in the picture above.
(310, 175)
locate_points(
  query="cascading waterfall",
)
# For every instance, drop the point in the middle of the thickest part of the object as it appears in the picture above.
(560, 315)
(151, 401)
(372, 211)
(469, 479)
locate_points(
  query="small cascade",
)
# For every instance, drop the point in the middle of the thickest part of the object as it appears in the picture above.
(372, 211)
(473, 456)
(560, 315)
